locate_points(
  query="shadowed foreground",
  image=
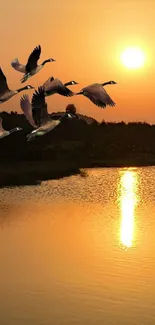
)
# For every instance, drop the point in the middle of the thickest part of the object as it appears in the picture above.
(32, 173)
(74, 144)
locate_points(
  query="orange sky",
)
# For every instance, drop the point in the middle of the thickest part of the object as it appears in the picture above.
(87, 38)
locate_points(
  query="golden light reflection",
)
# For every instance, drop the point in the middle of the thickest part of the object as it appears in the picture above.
(128, 202)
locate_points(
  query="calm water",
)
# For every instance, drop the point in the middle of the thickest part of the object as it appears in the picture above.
(79, 251)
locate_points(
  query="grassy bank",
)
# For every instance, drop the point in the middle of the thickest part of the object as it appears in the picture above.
(34, 172)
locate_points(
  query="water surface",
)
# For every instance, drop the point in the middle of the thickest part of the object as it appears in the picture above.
(80, 250)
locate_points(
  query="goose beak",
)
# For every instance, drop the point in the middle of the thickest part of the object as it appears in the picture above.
(30, 87)
(69, 116)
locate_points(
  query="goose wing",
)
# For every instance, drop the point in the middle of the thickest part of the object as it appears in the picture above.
(64, 91)
(56, 86)
(3, 83)
(27, 109)
(33, 59)
(18, 66)
(98, 95)
(53, 124)
(39, 107)
(48, 84)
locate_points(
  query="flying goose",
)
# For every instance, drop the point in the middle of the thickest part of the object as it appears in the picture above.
(4, 133)
(37, 114)
(97, 94)
(53, 86)
(31, 67)
(5, 92)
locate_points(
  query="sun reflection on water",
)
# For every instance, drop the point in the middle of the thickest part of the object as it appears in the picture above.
(128, 200)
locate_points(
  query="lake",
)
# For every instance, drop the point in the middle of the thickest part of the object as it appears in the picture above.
(80, 250)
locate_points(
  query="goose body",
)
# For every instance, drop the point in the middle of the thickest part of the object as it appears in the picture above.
(37, 114)
(4, 133)
(31, 67)
(5, 92)
(55, 86)
(97, 94)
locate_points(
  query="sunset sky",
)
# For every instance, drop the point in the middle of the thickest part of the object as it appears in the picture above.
(87, 39)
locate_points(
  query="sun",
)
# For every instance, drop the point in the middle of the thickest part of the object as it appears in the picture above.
(133, 58)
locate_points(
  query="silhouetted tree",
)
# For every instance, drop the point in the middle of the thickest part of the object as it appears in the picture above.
(71, 109)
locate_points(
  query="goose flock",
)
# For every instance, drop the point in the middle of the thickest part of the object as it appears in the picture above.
(36, 111)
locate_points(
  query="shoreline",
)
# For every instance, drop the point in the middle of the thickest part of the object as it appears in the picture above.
(26, 173)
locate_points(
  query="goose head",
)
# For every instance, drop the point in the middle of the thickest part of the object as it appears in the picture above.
(23, 88)
(15, 129)
(111, 82)
(18, 128)
(72, 82)
(52, 60)
(29, 87)
(49, 60)
(69, 115)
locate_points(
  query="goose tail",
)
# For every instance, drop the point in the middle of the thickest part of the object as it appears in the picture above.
(17, 65)
(26, 76)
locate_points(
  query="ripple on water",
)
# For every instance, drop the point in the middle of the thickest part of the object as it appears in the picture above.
(79, 250)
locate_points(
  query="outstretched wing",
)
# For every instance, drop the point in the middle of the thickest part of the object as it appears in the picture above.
(33, 59)
(98, 95)
(64, 91)
(18, 66)
(54, 124)
(39, 107)
(27, 109)
(3, 83)
(48, 84)
(53, 86)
